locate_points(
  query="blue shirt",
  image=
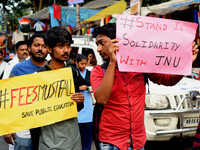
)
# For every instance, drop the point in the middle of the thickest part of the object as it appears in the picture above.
(25, 67)
(86, 114)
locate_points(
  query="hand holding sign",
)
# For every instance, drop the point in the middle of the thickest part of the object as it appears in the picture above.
(113, 47)
(195, 51)
(155, 45)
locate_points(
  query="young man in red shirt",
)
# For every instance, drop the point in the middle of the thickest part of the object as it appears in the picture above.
(122, 94)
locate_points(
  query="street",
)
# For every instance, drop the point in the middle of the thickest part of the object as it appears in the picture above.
(3, 144)
(177, 144)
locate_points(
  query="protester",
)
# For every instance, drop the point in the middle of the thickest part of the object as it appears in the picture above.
(62, 135)
(86, 114)
(22, 54)
(38, 53)
(91, 60)
(122, 94)
(2, 64)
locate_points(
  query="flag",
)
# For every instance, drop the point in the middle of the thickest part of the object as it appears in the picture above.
(56, 11)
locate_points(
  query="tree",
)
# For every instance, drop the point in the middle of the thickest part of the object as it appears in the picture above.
(12, 10)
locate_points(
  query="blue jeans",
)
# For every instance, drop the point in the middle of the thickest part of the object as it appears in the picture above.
(107, 146)
(23, 144)
(86, 135)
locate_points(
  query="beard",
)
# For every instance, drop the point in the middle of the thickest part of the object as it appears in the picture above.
(38, 59)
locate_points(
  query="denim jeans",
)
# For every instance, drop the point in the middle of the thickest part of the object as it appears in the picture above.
(107, 146)
(23, 143)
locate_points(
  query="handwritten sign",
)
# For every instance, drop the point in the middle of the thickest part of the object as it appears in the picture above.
(155, 45)
(35, 100)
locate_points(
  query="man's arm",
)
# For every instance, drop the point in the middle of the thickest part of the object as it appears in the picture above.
(77, 96)
(104, 90)
(9, 138)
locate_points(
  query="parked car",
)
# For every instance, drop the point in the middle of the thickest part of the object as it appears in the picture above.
(169, 111)
(172, 111)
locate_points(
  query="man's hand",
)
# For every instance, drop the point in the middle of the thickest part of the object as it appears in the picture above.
(8, 138)
(83, 87)
(78, 97)
(90, 58)
(113, 47)
(195, 51)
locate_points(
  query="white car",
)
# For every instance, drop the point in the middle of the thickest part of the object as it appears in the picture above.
(172, 111)
(169, 111)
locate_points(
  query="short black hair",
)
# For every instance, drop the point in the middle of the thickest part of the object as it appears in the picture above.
(18, 44)
(37, 34)
(80, 57)
(108, 30)
(57, 35)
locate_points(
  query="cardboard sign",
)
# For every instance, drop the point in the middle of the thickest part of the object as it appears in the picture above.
(155, 45)
(35, 100)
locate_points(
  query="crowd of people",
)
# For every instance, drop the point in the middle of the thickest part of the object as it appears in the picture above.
(121, 94)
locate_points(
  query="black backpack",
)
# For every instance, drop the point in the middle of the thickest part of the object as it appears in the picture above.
(98, 109)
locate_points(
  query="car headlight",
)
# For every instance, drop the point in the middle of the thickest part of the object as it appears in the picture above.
(156, 101)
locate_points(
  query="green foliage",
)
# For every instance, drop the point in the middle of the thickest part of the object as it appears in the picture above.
(12, 10)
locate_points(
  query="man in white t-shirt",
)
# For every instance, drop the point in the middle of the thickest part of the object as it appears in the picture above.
(22, 54)
(17, 36)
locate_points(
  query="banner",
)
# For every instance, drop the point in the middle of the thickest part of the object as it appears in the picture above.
(155, 45)
(35, 100)
(70, 2)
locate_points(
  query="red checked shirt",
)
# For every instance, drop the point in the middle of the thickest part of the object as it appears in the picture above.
(122, 119)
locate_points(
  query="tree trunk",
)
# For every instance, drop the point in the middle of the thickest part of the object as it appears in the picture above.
(78, 19)
(34, 5)
(40, 4)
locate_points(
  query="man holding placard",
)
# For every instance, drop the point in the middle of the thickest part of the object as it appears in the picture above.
(65, 134)
(122, 94)
(38, 53)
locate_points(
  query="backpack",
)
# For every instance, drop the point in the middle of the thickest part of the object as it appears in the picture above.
(98, 109)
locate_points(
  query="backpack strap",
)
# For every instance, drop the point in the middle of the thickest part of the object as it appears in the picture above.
(104, 66)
